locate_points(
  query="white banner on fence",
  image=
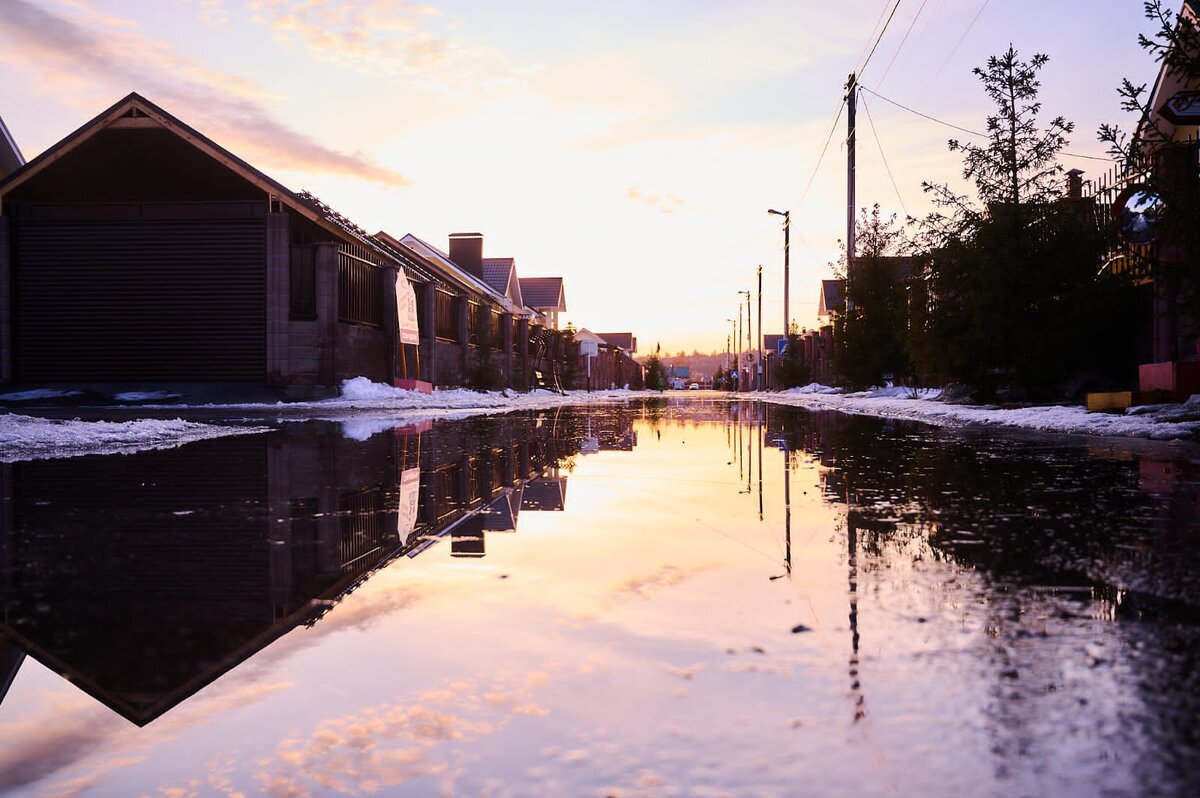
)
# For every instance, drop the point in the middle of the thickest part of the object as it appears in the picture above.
(406, 310)
(410, 491)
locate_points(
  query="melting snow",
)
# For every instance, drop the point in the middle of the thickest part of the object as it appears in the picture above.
(29, 438)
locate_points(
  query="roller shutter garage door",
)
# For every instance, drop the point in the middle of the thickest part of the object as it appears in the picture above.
(160, 292)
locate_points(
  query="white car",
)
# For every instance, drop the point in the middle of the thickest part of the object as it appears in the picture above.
(695, 386)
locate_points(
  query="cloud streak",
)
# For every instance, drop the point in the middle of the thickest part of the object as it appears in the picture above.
(74, 58)
(663, 203)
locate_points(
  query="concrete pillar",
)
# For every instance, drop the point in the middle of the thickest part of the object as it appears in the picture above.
(523, 354)
(506, 346)
(463, 308)
(326, 264)
(428, 299)
(6, 304)
(391, 323)
(278, 298)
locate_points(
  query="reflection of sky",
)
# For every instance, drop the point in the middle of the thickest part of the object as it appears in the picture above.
(632, 644)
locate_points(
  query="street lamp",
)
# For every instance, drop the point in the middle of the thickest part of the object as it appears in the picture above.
(748, 331)
(787, 231)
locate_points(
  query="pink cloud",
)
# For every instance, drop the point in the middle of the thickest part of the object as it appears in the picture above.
(71, 58)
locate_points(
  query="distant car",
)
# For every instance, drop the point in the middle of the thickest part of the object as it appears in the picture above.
(695, 386)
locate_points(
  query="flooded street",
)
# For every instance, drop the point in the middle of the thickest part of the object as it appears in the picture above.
(676, 597)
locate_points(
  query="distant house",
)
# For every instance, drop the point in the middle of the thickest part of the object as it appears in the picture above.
(138, 250)
(10, 154)
(545, 295)
(624, 341)
(832, 300)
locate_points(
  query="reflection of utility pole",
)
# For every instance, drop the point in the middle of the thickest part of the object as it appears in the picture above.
(759, 409)
(787, 508)
(860, 709)
(749, 463)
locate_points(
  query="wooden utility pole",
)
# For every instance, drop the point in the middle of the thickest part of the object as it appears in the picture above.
(851, 103)
(760, 372)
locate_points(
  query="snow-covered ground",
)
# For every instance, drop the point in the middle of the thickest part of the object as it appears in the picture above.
(365, 407)
(1159, 422)
(30, 438)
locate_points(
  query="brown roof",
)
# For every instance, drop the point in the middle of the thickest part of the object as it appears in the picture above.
(543, 293)
(833, 297)
(623, 340)
(501, 274)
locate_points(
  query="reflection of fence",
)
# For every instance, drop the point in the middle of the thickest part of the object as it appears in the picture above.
(361, 520)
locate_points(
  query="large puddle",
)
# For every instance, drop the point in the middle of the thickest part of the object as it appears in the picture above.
(688, 598)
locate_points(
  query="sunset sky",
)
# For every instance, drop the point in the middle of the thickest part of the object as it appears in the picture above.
(632, 147)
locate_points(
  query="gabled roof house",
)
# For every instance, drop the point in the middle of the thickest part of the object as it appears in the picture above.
(139, 250)
(546, 296)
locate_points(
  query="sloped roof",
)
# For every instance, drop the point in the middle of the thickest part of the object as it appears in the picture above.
(833, 297)
(501, 274)
(1168, 82)
(623, 340)
(11, 158)
(544, 293)
(135, 111)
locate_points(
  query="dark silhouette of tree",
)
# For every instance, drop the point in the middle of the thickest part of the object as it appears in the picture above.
(1008, 300)
(656, 373)
(868, 337)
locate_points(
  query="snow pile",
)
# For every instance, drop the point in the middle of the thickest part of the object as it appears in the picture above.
(1161, 422)
(29, 438)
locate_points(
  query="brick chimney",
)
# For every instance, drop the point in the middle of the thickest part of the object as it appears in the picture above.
(466, 250)
(1075, 184)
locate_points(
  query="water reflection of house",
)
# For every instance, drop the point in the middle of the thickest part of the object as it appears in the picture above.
(143, 578)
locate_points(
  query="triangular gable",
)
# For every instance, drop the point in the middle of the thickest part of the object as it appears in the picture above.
(1168, 84)
(135, 111)
(544, 293)
(832, 299)
(501, 275)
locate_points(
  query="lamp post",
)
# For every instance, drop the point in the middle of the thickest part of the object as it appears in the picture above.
(732, 337)
(748, 331)
(787, 233)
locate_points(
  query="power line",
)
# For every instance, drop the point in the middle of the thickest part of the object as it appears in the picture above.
(911, 25)
(879, 144)
(966, 130)
(821, 157)
(878, 39)
(838, 117)
(962, 38)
